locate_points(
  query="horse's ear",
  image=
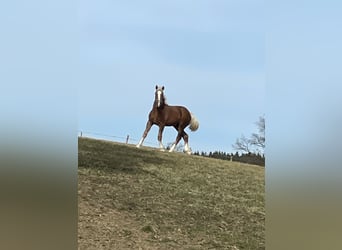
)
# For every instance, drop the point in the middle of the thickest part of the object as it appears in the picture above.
(156, 86)
(163, 88)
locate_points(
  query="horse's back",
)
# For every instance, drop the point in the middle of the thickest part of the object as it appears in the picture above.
(180, 113)
(185, 112)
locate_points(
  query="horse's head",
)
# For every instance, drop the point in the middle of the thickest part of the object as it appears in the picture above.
(159, 96)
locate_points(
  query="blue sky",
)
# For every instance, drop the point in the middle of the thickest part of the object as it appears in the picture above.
(209, 55)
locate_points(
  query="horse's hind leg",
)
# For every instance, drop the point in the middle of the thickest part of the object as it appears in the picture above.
(147, 129)
(185, 137)
(186, 143)
(179, 136)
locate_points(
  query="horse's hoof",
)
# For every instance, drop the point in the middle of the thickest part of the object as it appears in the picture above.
(162, 150)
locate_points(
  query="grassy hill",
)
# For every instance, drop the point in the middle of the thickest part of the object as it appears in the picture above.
(133, 198)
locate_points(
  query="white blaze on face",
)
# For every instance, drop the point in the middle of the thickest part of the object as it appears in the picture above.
(158, 97)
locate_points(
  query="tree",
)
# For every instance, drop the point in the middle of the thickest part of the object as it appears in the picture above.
(255, 144)
(243, 144)
(258, 140)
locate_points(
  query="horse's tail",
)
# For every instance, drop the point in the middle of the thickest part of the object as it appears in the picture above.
(194, 124)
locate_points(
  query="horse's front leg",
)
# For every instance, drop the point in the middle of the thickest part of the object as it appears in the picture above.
(147, 129)
(160, 137)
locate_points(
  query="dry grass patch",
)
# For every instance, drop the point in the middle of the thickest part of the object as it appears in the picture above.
(169, 200)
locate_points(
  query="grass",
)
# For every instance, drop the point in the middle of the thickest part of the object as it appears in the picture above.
(133, 198)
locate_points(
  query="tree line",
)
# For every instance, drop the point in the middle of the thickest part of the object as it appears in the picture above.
(250, 158)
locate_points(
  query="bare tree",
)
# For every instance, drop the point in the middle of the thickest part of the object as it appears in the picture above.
(243, 144)
(257, 141)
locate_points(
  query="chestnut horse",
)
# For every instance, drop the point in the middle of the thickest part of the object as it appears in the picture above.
(164, 115)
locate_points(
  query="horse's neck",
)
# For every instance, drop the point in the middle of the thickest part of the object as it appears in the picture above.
(160, 108)
(162, 105)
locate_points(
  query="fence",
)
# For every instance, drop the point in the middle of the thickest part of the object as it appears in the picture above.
(125, 139)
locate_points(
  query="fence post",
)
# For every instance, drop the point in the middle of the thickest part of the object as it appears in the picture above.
(127, 139)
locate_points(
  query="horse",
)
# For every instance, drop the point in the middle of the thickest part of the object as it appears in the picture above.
(163, 115)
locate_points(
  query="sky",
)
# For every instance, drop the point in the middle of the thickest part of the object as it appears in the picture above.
(92, 66)
(209, 55)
